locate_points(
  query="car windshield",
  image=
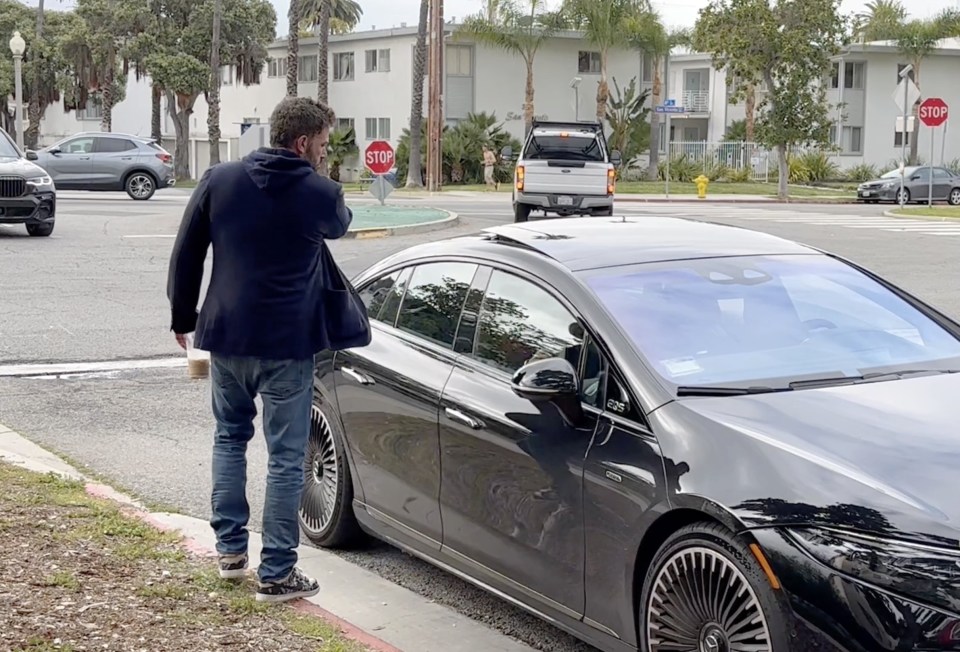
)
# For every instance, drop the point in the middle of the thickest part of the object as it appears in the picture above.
(768, 321)
(7, 148)
(895, 174)
(565, 147)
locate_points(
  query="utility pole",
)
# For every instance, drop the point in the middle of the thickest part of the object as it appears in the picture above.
(435, 98)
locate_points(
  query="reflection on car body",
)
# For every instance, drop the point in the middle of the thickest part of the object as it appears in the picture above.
(657, 434)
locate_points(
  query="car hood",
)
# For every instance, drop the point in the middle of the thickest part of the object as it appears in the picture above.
(20, 166)
(882, 456)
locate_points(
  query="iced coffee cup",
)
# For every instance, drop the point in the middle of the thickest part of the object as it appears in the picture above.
(198, 360)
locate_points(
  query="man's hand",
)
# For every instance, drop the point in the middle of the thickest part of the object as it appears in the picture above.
(181, 340)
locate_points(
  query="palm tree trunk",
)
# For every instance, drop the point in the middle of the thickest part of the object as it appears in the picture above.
(32, 135)
(293, 47)
(106, 96)
(750, 109)
(213, 95)
(603, 90)
(414, 166)
(323, 69)
(156, 130)
(528, 99)
(653, 169)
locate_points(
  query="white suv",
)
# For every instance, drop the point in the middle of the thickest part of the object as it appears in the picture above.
(564, 168)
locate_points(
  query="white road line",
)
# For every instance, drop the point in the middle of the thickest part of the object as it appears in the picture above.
(148, 236)
(56, 369)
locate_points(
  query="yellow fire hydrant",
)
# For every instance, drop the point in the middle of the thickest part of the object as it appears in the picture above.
(701, 182)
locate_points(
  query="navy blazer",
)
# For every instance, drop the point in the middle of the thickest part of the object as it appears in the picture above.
(267, 217)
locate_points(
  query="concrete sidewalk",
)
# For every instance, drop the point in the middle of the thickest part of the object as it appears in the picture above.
(383, 615)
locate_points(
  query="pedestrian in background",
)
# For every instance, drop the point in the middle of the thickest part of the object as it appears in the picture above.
(275, 299)
(489, 168)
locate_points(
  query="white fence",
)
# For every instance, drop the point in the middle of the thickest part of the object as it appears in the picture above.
(733, 156)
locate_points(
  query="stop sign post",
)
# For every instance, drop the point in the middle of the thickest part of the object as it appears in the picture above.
(933, 112)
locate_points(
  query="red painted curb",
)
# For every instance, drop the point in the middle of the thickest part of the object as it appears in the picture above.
(348, 629)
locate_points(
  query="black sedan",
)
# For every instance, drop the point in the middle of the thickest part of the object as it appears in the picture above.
(657, 434)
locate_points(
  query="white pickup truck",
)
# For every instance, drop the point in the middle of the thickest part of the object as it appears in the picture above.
(564, 168)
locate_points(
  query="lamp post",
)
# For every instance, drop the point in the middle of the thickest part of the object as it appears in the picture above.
(17, 47)
(575, 85)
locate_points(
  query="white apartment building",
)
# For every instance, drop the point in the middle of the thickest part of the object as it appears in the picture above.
(371, 75)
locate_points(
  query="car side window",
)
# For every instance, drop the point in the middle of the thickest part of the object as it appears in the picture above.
(391, 302)
(432, 304)
(940, 173)
(113, 145)
(593, 373)
(77, 146)
(375, 294)
(521, 323)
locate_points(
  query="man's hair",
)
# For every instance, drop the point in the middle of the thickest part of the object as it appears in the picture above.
(298, 116)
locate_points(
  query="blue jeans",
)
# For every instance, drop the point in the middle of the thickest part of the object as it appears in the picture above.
(286, 387)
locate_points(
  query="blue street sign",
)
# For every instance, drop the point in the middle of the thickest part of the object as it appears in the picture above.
(668, 108)
(669, 102)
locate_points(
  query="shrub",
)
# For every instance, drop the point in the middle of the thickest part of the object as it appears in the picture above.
(818, 166)
(861, 173)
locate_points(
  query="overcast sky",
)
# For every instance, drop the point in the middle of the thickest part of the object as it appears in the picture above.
(675, 13)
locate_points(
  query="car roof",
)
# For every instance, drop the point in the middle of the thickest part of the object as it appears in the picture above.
(593, 242)
(113, 134)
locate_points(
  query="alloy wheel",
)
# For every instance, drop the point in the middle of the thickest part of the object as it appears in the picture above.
(955, 197)
(701, 602)
(903, 196)
(321, 476)
(140, 186)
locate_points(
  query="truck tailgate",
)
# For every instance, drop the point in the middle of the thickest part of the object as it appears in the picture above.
(565, 178)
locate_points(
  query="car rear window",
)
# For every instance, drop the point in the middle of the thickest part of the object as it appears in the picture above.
(569, 147)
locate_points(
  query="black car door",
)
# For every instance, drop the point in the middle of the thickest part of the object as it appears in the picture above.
(389, 391)
(511, 490)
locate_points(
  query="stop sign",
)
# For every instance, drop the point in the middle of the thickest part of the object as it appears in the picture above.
(933, 112)
(379, 157)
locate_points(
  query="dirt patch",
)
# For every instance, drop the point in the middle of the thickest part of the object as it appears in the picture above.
(77, 573)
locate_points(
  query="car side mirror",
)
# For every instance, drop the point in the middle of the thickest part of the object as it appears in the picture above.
(553, 380)
(31, 155)
(915, 177)
(54, 151)
(615, 158)
(506, 153)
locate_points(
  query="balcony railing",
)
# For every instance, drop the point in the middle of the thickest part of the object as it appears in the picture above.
(696, 101)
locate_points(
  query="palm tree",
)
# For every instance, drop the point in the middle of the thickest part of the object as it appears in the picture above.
(414, 168)
(293, 47)
(32, 134)
(605, 24)
(917, 40)
(881, 20)
(647, 33)
(346, 12)
(521, 30)
(213, 95)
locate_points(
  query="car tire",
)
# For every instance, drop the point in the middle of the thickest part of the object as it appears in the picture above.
(906, 196)
(521, 212)
(679, 598)
(140, 186)
(605, 212)
(954, 198)
(41, 230)
(326, 514)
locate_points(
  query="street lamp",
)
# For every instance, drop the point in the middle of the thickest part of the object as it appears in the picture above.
(903, 134)
(575, 85)
(17, 47)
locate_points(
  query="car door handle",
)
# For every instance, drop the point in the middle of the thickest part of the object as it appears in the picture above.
(84, 158)
(357, 376)
(457, 415)
(126, 158)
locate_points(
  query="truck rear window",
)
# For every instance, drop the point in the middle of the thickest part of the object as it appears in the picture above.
(571, 148)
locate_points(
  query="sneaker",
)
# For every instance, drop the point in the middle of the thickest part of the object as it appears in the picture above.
(296, 585)
(233, 567)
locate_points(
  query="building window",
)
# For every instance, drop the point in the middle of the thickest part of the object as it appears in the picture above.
(343, 66)
(900, 67)
(377, 60)
(377, 128)
(226, 75)
(277, 67)
(898, 139)
(852, 141)
(647, 70)
(307, 68)
(459, 62)
(93, 110)
(344, 123)
(588, 63)
(853, 73)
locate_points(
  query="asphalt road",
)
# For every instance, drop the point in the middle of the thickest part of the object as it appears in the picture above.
(95, 291)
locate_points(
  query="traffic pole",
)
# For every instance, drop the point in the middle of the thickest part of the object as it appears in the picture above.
(930, 182)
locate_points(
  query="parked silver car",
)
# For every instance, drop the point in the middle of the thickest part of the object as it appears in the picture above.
(916, 186)
(107, 161)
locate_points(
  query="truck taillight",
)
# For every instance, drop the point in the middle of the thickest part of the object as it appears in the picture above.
(520, 176)
(611, 181)
(163, 156)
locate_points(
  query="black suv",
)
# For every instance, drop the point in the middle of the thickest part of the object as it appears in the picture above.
(27, 193)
